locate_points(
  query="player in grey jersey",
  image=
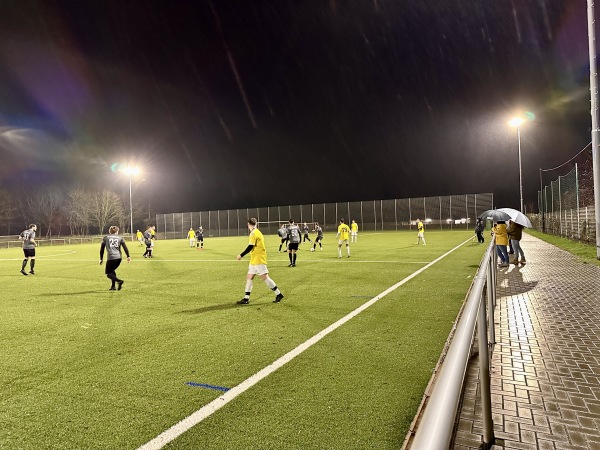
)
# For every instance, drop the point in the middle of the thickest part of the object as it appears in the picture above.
(28, 237)
(319, 238)
(113, 243)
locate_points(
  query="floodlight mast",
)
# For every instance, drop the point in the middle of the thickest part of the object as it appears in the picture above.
(517, 122)
(131, 171)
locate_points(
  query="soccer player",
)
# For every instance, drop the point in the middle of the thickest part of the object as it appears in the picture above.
(29, 244)
(148, 240)
(113, 243)
(200, 238)
(319, 237)
(354, 231)
(420, 232)
(294, 239)
(283, 234)
(140, 237)
(305, 231)
(342, 235)
(192, 237)
(258, 263)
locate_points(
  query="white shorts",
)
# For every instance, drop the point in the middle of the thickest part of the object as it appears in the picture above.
(354, 233)
(341, 241)
(257, 269)
(420, 234)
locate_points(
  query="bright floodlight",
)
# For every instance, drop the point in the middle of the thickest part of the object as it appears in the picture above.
(130, 170)
(516, 122)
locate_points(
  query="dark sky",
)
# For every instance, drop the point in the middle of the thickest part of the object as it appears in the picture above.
(241, 103)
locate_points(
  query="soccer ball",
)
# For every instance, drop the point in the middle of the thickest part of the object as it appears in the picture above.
(312, 249)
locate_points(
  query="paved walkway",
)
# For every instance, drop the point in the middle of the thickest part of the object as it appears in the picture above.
(546, 362)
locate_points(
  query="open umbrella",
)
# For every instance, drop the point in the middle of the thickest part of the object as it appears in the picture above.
(517, 217)
(495, 215)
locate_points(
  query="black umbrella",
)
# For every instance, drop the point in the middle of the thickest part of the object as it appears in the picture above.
(494, 215)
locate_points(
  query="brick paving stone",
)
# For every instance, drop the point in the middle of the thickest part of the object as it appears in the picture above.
(545, 365)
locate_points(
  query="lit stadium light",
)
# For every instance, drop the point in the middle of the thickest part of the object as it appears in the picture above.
(516, 122)
(130, 171)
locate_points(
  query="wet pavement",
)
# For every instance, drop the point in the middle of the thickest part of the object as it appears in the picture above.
(545, 365)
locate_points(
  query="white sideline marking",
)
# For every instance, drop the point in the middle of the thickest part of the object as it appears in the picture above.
(195, 418)
(39, 256)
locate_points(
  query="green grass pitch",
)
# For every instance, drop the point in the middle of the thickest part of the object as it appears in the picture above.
(87, 368)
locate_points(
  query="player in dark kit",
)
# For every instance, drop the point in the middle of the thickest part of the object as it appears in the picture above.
(283, 234)
(319, 238)
(200, 238)
(113, 243)
(28, 237)
(294, 241)
(148, 241)
(305, 232)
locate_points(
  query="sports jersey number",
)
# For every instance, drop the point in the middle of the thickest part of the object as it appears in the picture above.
(113, 243)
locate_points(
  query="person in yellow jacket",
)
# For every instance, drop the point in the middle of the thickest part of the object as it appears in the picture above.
(501, 236)
(343, 236)
(353, 231)
(140, 237)
(192, 237)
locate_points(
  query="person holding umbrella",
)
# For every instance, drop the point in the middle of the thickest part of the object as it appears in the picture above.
(501, 237)
(515, 233)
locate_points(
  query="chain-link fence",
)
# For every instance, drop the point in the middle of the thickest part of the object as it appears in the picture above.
(447, 212)
(566, 206)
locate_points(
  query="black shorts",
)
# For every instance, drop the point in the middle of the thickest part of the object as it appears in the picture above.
(29, 252)
(319, 239)
(112, 265)
(293, 246)
(200, 238)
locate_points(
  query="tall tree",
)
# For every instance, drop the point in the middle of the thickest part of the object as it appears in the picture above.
(78, 211)
(106, 207)
(43, 207)
(8, 207)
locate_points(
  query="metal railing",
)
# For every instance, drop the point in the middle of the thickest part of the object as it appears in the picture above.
(438, 414)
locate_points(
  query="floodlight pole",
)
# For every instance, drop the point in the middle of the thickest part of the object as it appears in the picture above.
(130, 207)
(594, 113)
(520, 171)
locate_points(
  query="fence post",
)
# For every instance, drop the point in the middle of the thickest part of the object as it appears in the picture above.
(484, 376)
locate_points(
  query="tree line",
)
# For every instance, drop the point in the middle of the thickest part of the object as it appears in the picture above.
(75, 212)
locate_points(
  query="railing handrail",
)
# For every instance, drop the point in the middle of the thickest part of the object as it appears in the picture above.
(436, 426)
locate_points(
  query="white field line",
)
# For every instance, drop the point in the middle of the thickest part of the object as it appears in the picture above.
(195, 418)
(41, 256)
(333, 260)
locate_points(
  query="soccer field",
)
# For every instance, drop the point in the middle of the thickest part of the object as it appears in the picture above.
(87, 368)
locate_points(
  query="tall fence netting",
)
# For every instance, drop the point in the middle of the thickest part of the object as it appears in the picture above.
(442, 212)
(566, 205)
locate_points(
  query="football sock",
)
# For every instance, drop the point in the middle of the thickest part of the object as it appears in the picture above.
(31, 263)
(290, 255)
(24, 264)
(348, 250)
(113, 278)
(248, 288)
(315, 246)
(294, 259)
(271, 285)
(340, 252)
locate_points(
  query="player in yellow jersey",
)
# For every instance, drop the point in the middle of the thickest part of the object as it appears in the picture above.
(140, 237)
(258, 263)
(342, 236)
(192, 237)
(420, 232)
(353, 231)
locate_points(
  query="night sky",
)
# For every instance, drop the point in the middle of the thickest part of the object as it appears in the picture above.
(233, 104)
